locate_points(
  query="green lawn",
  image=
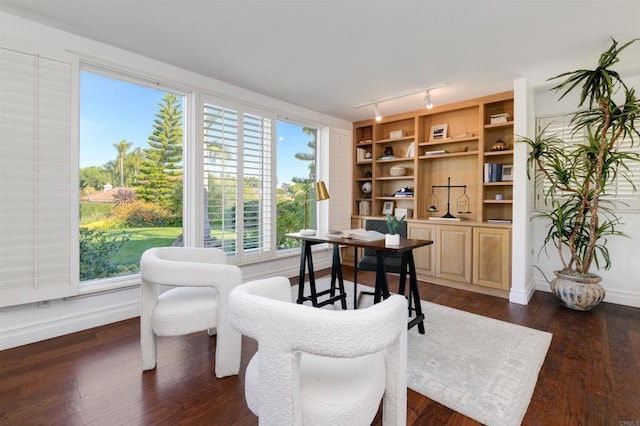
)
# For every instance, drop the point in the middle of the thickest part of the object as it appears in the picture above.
(142, 239)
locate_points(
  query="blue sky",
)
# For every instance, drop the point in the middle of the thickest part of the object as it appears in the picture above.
(112, 110)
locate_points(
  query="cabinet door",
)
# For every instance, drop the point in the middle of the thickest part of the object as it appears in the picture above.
(453, 253)
(424, 257)
(492, 257)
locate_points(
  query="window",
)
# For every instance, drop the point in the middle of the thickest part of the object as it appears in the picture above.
(296, 171)
(81, 207)
(131, 138)
(622, 190)
(255, 189)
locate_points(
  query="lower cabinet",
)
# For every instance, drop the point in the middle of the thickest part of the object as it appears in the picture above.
(492, 257)
(465, 256)
(475, 258)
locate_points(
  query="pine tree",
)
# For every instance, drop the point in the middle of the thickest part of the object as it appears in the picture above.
(161, 168)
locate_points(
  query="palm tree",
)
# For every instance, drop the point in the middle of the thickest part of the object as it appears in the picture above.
(122, 147)
(133, 161)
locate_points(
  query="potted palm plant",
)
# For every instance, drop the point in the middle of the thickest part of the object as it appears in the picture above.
(578, 178)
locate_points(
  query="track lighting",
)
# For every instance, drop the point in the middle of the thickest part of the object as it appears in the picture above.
(427, 100)
(377, 112)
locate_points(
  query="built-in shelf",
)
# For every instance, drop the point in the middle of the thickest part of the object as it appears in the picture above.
(448, 154)
(498, 201)
(496, 153)
(502, 183)
(498, 125)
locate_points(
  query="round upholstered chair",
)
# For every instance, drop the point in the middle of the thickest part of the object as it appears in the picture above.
(321, 366)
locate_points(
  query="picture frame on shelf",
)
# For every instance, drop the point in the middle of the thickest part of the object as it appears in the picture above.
(387, 207)
(507, 172)
(439, 132)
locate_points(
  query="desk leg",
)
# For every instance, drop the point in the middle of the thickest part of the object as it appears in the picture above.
(414, 291)
(336, 272)
(403, 275)
(403, 278)
(303, 259)
(355, 278)
(312, 275)
(382, 285)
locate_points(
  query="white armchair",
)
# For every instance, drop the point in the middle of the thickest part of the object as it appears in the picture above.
(320, 366)
(199, 301)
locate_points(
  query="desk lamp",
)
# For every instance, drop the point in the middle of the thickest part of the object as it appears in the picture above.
(321, 194)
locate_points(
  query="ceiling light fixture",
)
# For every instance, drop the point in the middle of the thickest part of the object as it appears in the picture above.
(377, 112)
(427, 99)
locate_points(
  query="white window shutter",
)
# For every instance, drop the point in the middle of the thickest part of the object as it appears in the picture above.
(37, 238)
(621, 190)
(238, 179)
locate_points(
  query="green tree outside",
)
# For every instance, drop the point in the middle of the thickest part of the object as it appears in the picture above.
(161, 168)
(122, 147)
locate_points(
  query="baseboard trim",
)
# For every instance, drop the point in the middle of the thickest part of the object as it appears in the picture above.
(50, 328)
(617, 297)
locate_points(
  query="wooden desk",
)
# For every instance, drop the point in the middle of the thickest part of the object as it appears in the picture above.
(405, 247)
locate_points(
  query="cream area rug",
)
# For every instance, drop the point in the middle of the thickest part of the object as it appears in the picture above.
(480, 367)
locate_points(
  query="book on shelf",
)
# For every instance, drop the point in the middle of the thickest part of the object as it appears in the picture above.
(410, 151)
(499, 220)
(363, 234)
(435, 152)
(361, 154)
(492, 172)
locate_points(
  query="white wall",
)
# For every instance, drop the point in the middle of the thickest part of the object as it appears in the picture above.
(32, 322)
(621, 281)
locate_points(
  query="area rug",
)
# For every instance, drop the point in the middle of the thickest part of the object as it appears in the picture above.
(480, 367)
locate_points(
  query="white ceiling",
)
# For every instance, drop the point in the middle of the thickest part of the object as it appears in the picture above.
(331, 55)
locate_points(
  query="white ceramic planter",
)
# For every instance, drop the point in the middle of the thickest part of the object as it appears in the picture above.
(392, 239)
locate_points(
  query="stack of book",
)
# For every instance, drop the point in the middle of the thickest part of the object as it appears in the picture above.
(492, 172)
(404, 192)
(361, 154)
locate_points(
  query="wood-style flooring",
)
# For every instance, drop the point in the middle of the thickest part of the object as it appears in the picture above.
(591, 375)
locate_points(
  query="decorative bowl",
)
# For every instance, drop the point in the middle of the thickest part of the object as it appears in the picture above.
(499, 146)
(398, 171)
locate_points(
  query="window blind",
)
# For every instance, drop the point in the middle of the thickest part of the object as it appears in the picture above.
(36, 170)
(620, 190)
(238, 181)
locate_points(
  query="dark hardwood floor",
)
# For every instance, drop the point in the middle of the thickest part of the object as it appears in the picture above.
(591, 375)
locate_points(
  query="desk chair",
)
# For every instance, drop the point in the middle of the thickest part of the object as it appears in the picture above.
(392, 261)
(321, 366)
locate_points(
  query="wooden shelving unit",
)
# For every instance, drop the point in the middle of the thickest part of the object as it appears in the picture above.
(460, 159)
(466, 147)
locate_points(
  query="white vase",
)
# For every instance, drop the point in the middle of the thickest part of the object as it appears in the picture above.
(392, 239)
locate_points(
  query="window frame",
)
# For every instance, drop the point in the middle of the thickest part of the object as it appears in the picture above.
(112, 283)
